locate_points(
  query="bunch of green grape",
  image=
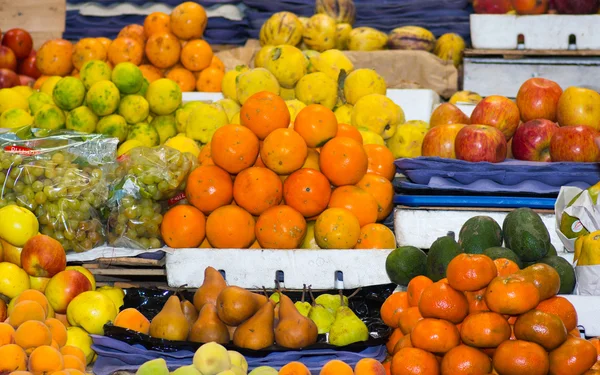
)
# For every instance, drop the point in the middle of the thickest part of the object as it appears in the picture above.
(135, 223)
(63, 194)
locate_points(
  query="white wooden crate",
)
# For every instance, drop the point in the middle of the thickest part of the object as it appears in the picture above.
(552, 31)
(416, 103)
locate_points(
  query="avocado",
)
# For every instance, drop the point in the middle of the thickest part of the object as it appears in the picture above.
(404, 263)
(441, 252)
(502, 252)
(526, 235)
(551, 251)
(479, 233)
(565, 271)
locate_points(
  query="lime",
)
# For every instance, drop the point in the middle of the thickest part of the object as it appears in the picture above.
(164, 96)
(82, 119)
(15, 118)
(182, 143)
(134, 108)
(182, 114)
(69, 93)
(165, 126)
(25, 91)
(12, 99)
(113, 126)
(94, 71)
(103, 98)
(128, 77)
(37, 100)
(144, 88)
(128, 145)
(48, 85)
(143, 132)
(50, 117)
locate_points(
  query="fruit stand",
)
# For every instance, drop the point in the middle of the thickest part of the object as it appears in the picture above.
(347, 187)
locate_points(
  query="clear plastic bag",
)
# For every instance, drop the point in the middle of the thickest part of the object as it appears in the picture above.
(61, 177)
(145, 182)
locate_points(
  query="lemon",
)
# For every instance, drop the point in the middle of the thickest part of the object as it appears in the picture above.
(25, 91)
(343, 114)
(134, 108)
(103, 98)
(378, 113)
(164, 96)
(144, 133)
(310, 59)
(371, 138)
(50, 117)
(332, 62)
(362, 82)
(204, 122)
(13, 280)
(128, 77)
(38, 100)
(309, 241)
(407, 141)
(94, 71)
(113, 126)
(68, 93)
(288, 65)
(288, 94)
(165, 126)
(317, 88)
(79, 338)
(12, 99)
(182, 114)
(127, 146)
(17, 225)
(236, 119)
(182, 143)
(294, 106)
(228, 83)
(15, 118)
(256, 80)
(260, 59)
(82, 119)
(230, 106)
(48, 86)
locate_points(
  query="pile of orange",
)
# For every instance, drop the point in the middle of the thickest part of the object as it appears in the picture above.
(270, 184)
(366, 366)
(166, 46)
(486, 317)
(34, 339)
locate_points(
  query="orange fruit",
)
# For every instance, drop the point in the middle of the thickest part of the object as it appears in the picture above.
(484, 330)
(58, 331)
(415, 288)
(7, 334)
(382, 190)
(132, 319)
(280, 227)
(345, 130)
(511, 295)
(12, 358)
(476, 301)
(561, 307)
(308, 191)
(73, 363)
(234, 148)
(357, 201)
(188, 20)
(464, 360)
(88, 49)
(257, 189)
(39, 82)
(209, 79)
(133, 31)
(294, 368)
(183, 226)
(435, 335)
(520, 357)
(125, 50)
(574, 356)
(196, 55)
(32, 294)
(163, 50)
(284, 151)
(404, 342)
(336, 367)
(337, 228)
(470, 272)
(409, 318)
(409, 361)
(440, 300)
(45, 360)
(230, 227)
(54, 58)
(157, 22)
(26, 310)
(264, 112)
(376, 236)
(343, 161)
(316, 124)
(380, 161)
(184, 78)
(369, 366)
(208, 188)
(205, 156)
(150, 72)
(542, 328)
(506, 266)
(32, 334)
(392, 307)
(216, 62)
(73, 351)
(393, 340)
(105, 42)
(544, 277)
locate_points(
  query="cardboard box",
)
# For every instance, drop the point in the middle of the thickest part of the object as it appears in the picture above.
(43, 19)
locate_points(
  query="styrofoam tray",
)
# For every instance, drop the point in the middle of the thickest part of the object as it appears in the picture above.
(255, 268)
(416, 103)
(550, 31)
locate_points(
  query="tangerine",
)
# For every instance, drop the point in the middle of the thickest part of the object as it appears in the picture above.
(263, 113)
(284, 151)
(234, 148)
(343, 161)
(209, 187)
(308, 191)
(183, 226)
(316, 124)
(230, 227)
(257, 189)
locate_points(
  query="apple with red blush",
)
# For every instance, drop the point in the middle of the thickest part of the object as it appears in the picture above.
(476, 143)
(531, 141)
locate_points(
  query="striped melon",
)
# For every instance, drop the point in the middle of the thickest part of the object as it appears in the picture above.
(281, 28)
(366, 39)
(450, 47)
(411, 38)
(342, 11)
(320, 33)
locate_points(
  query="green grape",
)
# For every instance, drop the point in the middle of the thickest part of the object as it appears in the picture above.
(15, 172)
(69, 234)
(37, 186)
(80, 236)
(155, 243)
(58, 158)
(144, 242)
(6, 163)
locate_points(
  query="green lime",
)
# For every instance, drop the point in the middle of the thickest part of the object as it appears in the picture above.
(134, 108)
(38, 100)
(144, 133)
(166, 127)
(50, 117)
(82, 119)
(144, 88)
(113, 126)
(69, 93)
(48, 85)
(164, 96)
(103, 98)
(94, 71)
(15, 118)
(128, 77)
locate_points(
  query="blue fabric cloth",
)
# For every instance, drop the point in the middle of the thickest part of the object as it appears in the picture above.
(115, 355)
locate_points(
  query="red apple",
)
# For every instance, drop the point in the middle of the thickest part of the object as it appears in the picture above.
(477, 143)
(8, 79)
(43, 256)
(530, 6)
(8, 60)
(579, 106)
(576, 6)
(19, 41)
(448, 113)
(492, 6)
(538, 99)
(63, 287)
(439, 141)
(575, 143)
(25, 80)
(27, 67)
(532, 140)
(499, 112)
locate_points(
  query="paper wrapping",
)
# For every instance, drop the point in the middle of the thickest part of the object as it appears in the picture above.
(400, 69)
(583, 208)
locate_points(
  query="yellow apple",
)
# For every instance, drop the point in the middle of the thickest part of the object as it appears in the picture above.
(79, 338)
(85, 273)
(11, 253)
(17, 224)
(39, 283)
(13, 280)
(115, 294)
(91, 311)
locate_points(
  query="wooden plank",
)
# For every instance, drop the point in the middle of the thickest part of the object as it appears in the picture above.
(133, 262)
(128, 272)
(33, 15)
(486, 209)
(517, 53)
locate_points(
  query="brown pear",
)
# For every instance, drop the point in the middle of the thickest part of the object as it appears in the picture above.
(208, 327)
(190, 312)
(231, 330)
(260, 299)
(235, 305)
(257, 332)
(294, 331)
(208, 292)
(170, 323)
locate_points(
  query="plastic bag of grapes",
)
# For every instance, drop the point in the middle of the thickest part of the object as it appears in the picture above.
(146, 180)
(60, 176)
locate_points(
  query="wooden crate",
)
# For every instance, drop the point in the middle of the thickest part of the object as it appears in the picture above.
(44, 19)
(128, 272)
